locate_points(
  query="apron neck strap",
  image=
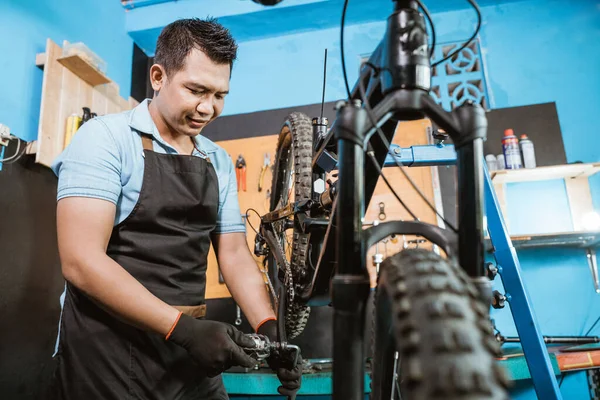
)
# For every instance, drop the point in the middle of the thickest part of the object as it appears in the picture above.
(147, 142)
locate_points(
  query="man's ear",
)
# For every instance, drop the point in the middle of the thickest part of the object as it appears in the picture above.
(158, 77)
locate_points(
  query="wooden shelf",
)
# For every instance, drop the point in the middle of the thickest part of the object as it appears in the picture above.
(566, 239)
(84, 70)
(568, 171)
(64, 93)
(576, 181)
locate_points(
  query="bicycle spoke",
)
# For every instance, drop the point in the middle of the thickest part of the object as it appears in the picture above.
(289, 237)
(398, 390)
(292, 186)
(395, 378)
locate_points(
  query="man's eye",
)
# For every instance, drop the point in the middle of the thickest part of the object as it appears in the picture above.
(195, 92)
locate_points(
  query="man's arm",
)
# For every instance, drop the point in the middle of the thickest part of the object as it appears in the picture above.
(84, 229)
(242, 276)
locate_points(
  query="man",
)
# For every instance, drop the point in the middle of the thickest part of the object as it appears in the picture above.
(141, 195)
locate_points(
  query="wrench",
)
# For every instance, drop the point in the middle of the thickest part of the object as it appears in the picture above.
(238, 315)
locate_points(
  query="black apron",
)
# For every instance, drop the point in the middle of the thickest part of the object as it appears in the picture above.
(164, 244)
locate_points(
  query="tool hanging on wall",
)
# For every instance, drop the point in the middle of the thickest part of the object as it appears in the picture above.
(240, 173)
(382, 215)
(267, 201)
(263, 170)
(87, 115)
(74, 122)
(377, 257)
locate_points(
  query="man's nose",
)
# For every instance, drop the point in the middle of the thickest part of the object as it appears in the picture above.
(205, 107)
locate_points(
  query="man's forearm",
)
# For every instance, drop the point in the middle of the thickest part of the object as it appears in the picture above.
(247, 286)
(115, 290)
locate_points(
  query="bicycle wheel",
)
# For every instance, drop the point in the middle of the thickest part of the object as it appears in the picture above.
(427, 310)
(292, 180)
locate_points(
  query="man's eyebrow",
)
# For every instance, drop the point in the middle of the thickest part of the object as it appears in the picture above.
(202, 87)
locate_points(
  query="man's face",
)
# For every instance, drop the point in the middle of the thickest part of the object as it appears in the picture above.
(194, 96)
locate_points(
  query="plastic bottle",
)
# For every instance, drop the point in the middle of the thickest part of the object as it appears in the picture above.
(510, 148)
(527, 151)
(491, 161)
(73, 123)
(500, 164)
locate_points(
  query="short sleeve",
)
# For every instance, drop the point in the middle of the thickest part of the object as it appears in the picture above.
(90, 166)
(229, 218)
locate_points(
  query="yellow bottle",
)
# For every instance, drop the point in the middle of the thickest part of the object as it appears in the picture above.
(73, 123)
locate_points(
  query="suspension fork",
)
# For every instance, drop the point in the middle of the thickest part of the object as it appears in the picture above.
(467, 126)
(469, 148)
(471, 206)
(350, 285)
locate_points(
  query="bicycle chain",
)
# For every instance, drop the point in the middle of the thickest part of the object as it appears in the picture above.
(288, 279)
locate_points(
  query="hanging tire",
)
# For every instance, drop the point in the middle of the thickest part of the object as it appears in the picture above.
(427, 309)
(293, 166)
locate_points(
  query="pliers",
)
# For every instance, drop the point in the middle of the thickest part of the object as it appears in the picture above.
(266, 164)
(240, 173)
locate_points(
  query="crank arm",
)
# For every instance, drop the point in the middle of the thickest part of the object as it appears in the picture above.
(277, 215)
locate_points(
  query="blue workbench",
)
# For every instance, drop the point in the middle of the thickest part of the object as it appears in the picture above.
(262, 384)
(265, 383)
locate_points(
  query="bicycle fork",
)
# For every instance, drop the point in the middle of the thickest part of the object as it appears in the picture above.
(350, 285)
(405, 88)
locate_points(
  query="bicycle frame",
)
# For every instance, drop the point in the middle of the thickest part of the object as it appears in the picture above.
(396, 86)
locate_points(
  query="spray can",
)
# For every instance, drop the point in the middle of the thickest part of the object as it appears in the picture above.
(527, 151)
(510, 148)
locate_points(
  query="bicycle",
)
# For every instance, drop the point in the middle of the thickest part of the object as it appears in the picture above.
(314, 241)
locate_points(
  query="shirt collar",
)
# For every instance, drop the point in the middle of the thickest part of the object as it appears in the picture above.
(141, 121)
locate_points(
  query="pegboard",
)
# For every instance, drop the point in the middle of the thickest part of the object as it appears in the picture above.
(407, 134)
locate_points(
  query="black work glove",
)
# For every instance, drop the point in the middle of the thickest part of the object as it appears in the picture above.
(290, 378)
(215, 346)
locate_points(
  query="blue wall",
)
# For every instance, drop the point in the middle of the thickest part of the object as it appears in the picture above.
(535, 52)
(24, 27)
(531, 54)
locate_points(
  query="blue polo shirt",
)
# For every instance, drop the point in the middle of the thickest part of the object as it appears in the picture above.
(105, 160)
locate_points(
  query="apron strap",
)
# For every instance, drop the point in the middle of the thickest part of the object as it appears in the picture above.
(147, 143)
(193, 311)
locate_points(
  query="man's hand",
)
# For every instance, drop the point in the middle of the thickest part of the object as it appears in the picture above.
(215, 346)
(290, 378)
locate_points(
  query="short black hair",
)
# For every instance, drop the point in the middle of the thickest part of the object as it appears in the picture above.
(179, 38)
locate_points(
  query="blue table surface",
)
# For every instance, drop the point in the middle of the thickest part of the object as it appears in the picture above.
(264, 382)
